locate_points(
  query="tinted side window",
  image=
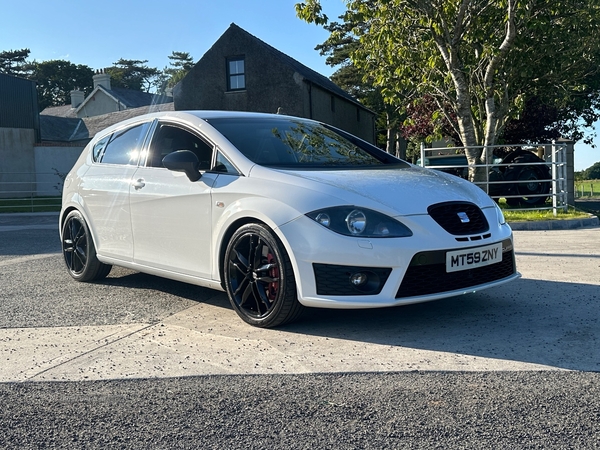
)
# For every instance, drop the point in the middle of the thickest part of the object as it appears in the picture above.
(99, 148)
(223, 165)
(169, 138)
(124, 146)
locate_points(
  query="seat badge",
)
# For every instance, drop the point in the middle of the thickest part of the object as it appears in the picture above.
(463, 217)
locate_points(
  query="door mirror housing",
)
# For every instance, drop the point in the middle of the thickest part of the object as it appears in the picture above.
(183, 161)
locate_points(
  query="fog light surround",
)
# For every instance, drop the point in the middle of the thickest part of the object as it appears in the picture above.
(365, 281)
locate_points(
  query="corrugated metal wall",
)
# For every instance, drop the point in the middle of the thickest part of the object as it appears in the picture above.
(18, 104)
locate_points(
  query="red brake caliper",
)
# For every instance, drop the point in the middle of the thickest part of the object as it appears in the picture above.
(273, 273)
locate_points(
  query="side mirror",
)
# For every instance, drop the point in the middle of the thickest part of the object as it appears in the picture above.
(183, 161)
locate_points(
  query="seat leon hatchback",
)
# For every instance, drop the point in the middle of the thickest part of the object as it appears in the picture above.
(279, 212)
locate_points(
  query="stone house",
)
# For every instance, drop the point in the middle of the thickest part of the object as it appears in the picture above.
(242, 73)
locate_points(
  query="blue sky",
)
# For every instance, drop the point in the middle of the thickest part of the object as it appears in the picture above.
(99, 33)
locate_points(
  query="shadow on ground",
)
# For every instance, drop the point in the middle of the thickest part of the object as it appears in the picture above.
(535, 321)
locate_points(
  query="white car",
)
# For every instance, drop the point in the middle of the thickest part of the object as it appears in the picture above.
(280, 212)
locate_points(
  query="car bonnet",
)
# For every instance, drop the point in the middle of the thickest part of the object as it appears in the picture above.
(402, 191)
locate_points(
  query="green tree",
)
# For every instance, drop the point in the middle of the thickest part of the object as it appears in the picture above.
(479, 60)
(133, 74)
(181, 63)
(57, 78)
(593, 172)
(338, 49)
(14, 62)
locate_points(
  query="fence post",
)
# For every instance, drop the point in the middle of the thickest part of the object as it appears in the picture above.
(569, 164)
(554, 180)
(422, 154)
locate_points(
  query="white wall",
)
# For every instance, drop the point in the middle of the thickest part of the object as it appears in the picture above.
(16, 161)
(51, 165)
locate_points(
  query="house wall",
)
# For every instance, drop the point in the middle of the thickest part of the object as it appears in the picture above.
(17, 168)
(99, 104)
(51, 166)
(340, 113)
(28, 170)
(272, 84)
(269, 83)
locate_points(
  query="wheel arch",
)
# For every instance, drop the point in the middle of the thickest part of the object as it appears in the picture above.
(76, 207)
(231, 229)
(237, 224)
(63, 216)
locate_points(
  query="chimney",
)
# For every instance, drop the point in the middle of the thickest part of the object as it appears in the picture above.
(101, 79)
(76, 98)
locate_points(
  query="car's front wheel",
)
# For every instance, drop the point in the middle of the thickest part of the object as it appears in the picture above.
(259, 278)
(79, 250)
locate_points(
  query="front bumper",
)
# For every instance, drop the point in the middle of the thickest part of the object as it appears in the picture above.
(407, 270)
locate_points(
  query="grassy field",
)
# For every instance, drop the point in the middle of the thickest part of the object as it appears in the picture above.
(587, 188)
(32, 204)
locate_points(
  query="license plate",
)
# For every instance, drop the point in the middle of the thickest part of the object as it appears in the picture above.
(471, 258)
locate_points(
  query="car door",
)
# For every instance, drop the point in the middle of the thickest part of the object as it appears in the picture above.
(171, 215)
(105, 190)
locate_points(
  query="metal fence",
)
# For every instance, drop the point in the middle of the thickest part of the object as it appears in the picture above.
(30, 192)
(587, 189)
(517, 180)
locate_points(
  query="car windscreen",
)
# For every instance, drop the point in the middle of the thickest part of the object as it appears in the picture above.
(297, 143)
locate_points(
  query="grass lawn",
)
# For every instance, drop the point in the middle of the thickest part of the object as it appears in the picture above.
(512, 214)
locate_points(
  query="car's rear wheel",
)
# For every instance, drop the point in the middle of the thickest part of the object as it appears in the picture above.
(259, 278)
(79, 251)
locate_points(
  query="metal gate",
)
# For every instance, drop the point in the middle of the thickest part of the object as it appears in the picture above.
(528, 176)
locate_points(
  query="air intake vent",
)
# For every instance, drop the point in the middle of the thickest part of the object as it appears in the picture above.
(459, 218)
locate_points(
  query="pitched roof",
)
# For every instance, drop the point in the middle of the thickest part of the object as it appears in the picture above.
(69, 129)
(98, 123)
(308, 74)
(59, 111)
(134, 99)
(127, 97)
(62, 129)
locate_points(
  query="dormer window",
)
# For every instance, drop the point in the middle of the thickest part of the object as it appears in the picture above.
(236, 74)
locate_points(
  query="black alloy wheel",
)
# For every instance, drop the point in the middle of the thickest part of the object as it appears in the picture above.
(259, 278)
(79, 251)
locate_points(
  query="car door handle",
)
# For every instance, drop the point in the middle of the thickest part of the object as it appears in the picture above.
(138, 184)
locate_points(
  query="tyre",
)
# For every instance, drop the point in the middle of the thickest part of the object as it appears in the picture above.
(259, 278)
(79, 251)
(529, 180)
(530, 184)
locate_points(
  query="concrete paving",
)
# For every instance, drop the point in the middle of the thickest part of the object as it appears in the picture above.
(547, 320)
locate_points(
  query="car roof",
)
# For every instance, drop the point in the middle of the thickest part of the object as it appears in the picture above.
(205, 115)
(208, 114)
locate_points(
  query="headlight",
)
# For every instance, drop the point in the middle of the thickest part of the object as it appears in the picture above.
(500, 214)
(359, 222)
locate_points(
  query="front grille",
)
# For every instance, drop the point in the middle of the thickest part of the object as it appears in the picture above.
(448, 216)
(432, 278)
(335, 280)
